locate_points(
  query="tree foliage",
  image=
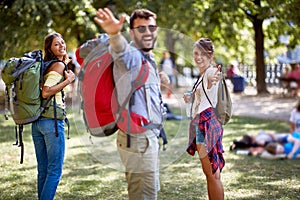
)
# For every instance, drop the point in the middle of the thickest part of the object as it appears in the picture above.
(25, 23)
(241, 30)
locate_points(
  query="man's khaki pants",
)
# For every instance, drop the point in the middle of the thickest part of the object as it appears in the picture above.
(141, 164)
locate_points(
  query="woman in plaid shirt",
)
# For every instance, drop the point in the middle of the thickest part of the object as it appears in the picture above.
(205, 131)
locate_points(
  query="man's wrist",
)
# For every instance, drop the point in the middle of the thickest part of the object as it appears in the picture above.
(117, 42)
(112, 35)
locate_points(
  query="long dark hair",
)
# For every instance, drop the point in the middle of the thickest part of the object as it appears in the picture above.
(47, 47)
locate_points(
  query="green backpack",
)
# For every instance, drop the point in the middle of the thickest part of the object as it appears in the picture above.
(23, 78)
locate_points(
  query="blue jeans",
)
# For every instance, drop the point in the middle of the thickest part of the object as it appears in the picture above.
(50, 151)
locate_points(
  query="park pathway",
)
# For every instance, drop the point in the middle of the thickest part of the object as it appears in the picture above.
(248, 103)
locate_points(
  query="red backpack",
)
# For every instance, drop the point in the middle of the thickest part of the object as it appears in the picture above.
(103, 113)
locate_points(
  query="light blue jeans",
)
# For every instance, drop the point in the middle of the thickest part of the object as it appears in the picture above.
(50, 151)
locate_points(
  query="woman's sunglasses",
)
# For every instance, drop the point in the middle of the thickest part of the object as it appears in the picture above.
(142, 29)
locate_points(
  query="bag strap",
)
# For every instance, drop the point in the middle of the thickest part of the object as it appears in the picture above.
(6, 99)
(68, 124)
(54, 101)
(197, 83)
(19, 140)
(136, 84)
(195, 86)
(55, 116)
(222, 82)
(148, 101)
(148, 94)
(205, 90)
(206, 95)
(43, 107)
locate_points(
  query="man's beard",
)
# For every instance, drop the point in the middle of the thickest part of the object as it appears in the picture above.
(140, 45)
(147, 49)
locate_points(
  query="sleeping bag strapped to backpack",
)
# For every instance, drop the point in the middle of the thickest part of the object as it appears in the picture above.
(23, 78)
(103, 113)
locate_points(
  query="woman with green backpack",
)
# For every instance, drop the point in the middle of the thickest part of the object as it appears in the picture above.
(48, 132)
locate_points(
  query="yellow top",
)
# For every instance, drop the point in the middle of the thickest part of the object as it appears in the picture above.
(53, 78)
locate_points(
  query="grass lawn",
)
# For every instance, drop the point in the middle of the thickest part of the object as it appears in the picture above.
(93, 170)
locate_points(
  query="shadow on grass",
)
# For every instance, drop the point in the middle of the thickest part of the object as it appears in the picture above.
(86, 177)
(261, 178)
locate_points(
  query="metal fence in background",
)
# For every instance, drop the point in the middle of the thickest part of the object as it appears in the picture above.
(273, 72)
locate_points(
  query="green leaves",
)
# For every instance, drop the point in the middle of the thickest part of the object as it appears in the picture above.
(24, 24)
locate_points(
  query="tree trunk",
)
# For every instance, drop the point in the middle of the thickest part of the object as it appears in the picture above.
(170, 44)
(259, 56)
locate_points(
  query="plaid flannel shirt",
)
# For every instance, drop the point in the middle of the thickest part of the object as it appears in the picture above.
(209, 125)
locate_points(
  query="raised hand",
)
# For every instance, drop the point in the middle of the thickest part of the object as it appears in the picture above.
(217, 76)
(105, 19)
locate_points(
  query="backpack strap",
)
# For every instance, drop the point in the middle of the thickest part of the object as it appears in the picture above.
(206, 95)
(148, 101)
(55, 116)
(221, 88)
(11, 99)
(6, 104)
(21, 143)
(45, 105)
(66, 120)
(140, 82)
(47, 65)
(19, 140)
(147, 90)
(141, 77)
(197, 83)
(136, 84)
(195, 86)
(68, 124)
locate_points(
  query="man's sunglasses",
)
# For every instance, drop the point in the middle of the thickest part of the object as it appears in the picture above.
(142, 29)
